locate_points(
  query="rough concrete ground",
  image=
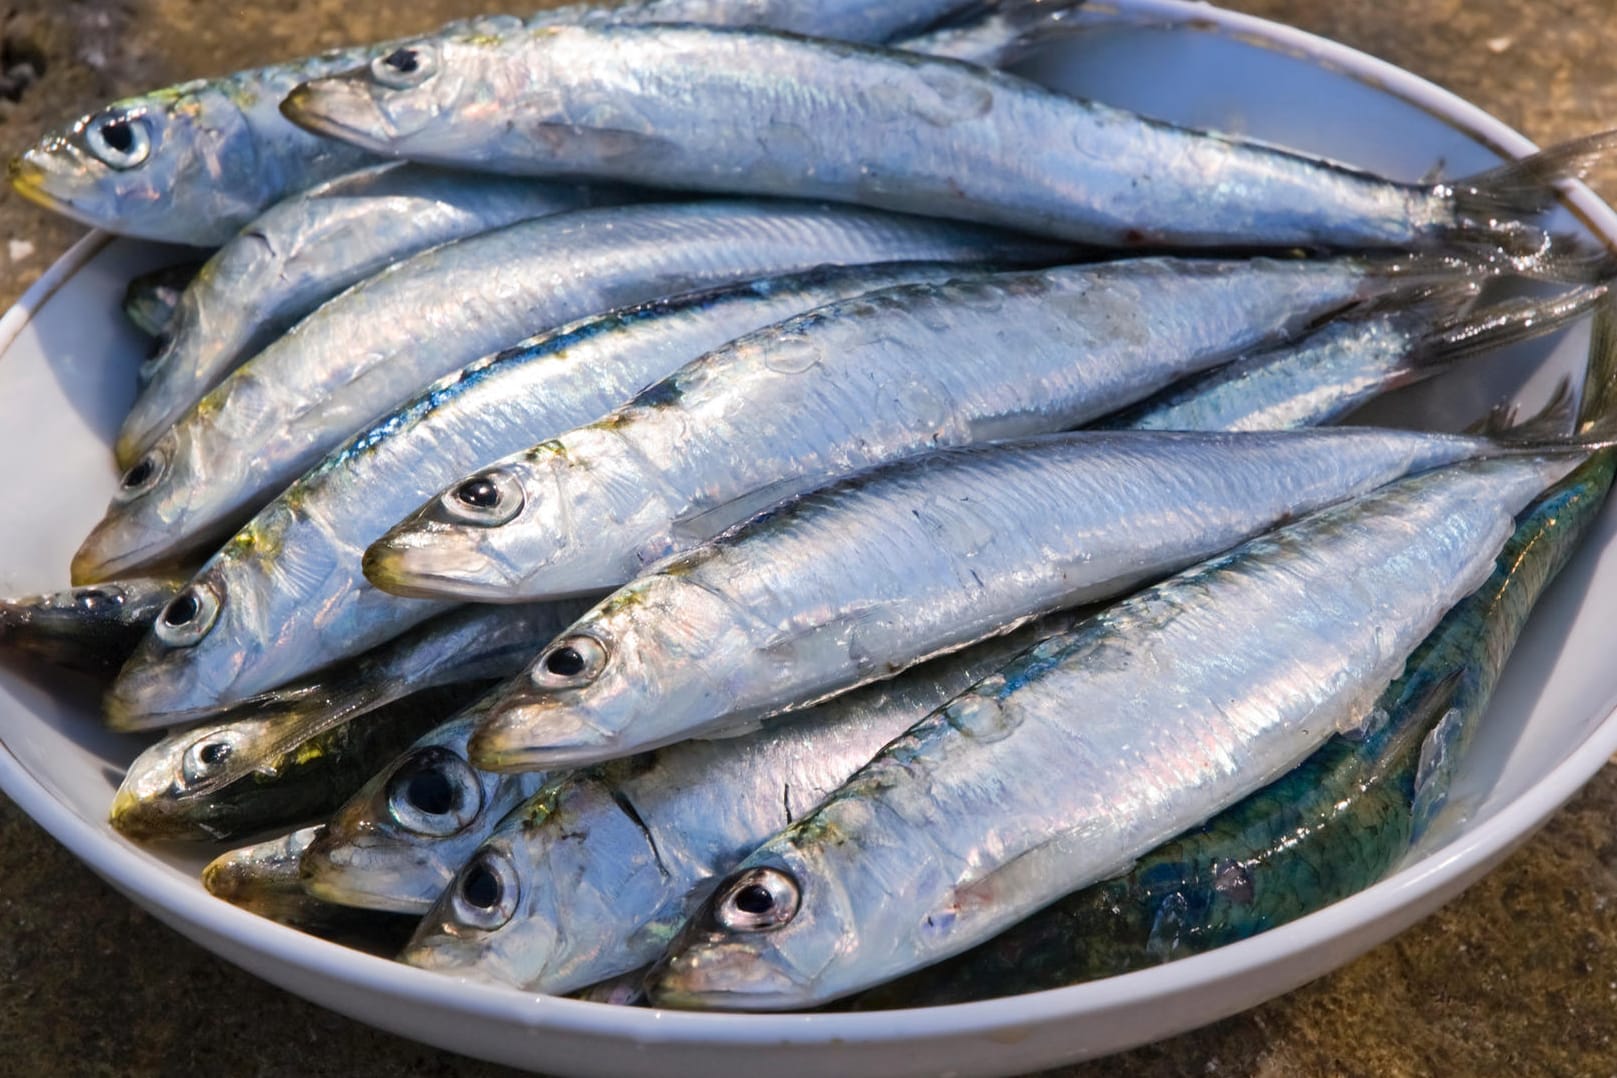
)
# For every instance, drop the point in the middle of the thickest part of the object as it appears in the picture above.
(1517, 976)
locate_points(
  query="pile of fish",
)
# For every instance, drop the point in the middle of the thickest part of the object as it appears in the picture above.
(748, 505)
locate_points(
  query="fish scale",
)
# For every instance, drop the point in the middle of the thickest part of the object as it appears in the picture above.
(1268, 650)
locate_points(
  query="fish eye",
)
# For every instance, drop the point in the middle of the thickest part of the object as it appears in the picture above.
(143, 475)
(573, 660)
(485, 894)
(98, 601)
(758, 900)
(487, 500)
(434, 792)
(405, 66)
(119, 139)
(207, 756)
(188, 616)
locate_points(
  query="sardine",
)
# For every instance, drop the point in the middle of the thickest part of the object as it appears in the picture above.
(305, 250)
(371, 348)
(854, 582)
(852, 385)
(894, 130)
(590, 878)
(286, 594)
(1095, 747)
(196, 162)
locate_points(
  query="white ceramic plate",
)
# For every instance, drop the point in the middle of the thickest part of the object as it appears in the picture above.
(66, 376)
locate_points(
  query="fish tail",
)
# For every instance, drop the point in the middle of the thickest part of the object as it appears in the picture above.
(1469, 332)
(1600, 376)
(1493, 209)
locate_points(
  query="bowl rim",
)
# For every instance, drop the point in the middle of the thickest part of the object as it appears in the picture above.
(152, 883)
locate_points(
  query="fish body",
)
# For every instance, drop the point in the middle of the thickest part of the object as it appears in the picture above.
(1095, 747)
(306, 249)
(286, 594)
(852, 385)
(371, 348)
(196, 162)
(854, 582)
(885, 128)
(1324, 831)
(602, 865)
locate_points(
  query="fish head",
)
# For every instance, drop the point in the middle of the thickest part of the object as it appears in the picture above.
(262, 878)
(761, 940)
(156, 516)
(417, 88)
(164, 793)
(91, 628)
(187, 666)
(531, 525)
(179, 165)
(630, 675)
(397, 843)
(558, 897)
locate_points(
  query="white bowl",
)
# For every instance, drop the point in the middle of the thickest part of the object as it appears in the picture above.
(67, 374)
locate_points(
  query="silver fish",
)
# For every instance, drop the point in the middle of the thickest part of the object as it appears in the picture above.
(371, 348)
(1012, 795)
(286, 595)
(398, 842)
(260, 765)
(857, 581)
(196, 162)
(303, 251)
(890, 129)
(93, 629)
(151, 298)
(591, 877)
(852, 385)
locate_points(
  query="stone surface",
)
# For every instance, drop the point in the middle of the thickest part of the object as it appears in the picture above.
(1517, 976)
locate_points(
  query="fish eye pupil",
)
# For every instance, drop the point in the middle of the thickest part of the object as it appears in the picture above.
(431, 792)
(404, 61)
(214, 753)
(755, 899)
(480, 888)
(183, 610)
(141, 472)
(115, 133)
(565, 662)
(479, 493)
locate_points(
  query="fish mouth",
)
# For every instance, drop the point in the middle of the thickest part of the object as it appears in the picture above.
(45, 178)
(724, 977)
(340, 107)
(527, 735)
(412, 565)
(112, 549)
(328, 871)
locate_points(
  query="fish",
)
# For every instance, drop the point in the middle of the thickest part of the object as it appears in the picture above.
(248, 768)
(196, 162)
(859, 580)
(1000, 35)
(892, 130)
(371, 348)
(150, 299)
(1046, 777)
(286, 594)
(1349, 362)
(1328, 829)
(399, 841)
(590, 877)
(263, 879)
(91, 629)
(306, 249)
(852, 385)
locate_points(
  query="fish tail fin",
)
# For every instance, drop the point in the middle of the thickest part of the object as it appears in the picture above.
(1467, 333)
(1493, 209)
(1600, 376)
